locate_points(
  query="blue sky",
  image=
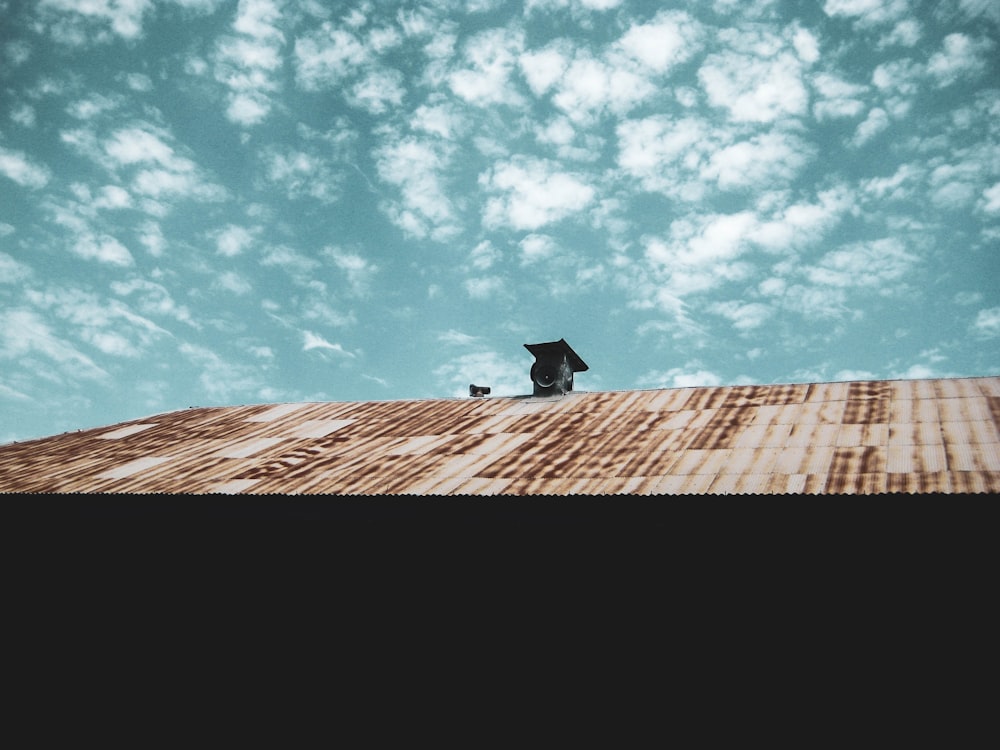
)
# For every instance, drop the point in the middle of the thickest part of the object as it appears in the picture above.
(209, 202)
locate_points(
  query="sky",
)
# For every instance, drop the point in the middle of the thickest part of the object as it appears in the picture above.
(211, 202)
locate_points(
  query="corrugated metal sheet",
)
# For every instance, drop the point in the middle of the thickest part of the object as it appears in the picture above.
(859, 437)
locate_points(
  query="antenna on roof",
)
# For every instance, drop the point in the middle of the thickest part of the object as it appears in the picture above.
(552, 371)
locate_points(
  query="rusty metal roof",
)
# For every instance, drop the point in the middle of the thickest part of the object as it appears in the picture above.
(939, 436)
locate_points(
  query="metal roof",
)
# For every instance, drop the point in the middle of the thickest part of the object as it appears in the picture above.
(940, 436)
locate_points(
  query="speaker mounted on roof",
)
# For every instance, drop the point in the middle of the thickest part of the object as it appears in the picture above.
(552, 371)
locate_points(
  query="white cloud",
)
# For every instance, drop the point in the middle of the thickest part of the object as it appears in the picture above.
(876, 122)
(107, 325)
(72, 19)
(249, 53)
(92, 106)
(24, 115)
(25, 332)
(418, 168)
(991, 199)
(868, 13)
(906, 33)
(443, 120)
(488, 368)
(162, 172)
(383, 39)
(977, 8)
(484, 287)
(865, 264)
(587, 83)
(898, 77)
(248, 108)
(257, 18)
(584, 5)
(920, 372)
(139, 82)
(558, 131)
(302, 174)
(802, 224)
(806, 45)
(378, 91)
(12, 271)
(358, 270)
(233, 240)
(774, 286)
(754, 88)
(313, 341)
(532, 193)
(813, 302)
(261, 352)
(86, 241)
(987, 323)
(135, 145)
(327, 56)
(848, 375)
(85, 142)
(899, 186)
(664, 153)
(491, 57)
(457, 338)
(248, 62)
(708, 239)
(151, 237)
(962, 56)
(592, 85)
(685, 158)
(112, 197)
(483, 256)
(220, 379)
(538, 247)
(761, 162)
(233, 282)
(838, 98)
(544, 67)
(689, 376)
(671, 37)
(300, 267)
(153, 299)
(955, 185)
(21, 169)
(745, 316)
(699, 254)
(11, 394)
(571, 143)
(17, 52)
(317, 308)
(103, 248)
(968, 298)
(163, 183)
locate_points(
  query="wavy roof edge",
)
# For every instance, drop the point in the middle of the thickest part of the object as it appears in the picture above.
(862, 436)
(519, 396)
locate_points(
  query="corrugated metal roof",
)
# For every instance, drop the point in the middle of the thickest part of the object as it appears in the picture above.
(859, 437)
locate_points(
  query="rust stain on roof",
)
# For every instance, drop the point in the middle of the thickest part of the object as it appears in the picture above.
(932, 436)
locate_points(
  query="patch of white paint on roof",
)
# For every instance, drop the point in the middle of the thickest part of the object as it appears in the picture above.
(234, 486)
(317, 428)
(133, 467)
(242, 450)
(126, 431)
(276, 412)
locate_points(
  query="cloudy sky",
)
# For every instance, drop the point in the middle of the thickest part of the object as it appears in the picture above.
(207, 202)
